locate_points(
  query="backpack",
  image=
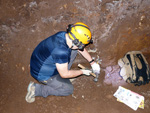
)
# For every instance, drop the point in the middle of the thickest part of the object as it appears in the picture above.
(134, 68)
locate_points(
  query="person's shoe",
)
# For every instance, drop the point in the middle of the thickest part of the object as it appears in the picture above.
(30, 97)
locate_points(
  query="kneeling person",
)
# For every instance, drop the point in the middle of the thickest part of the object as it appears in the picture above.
(52, 59)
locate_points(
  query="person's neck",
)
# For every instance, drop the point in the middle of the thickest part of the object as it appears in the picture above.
(69, 41)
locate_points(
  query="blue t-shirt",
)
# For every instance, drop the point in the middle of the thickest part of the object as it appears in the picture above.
(50, 51)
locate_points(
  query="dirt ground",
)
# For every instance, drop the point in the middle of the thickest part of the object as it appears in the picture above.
(117, 26)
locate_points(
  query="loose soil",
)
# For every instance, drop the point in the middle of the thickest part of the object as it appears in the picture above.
(117, 27)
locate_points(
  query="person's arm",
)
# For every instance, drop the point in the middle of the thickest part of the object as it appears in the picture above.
(65, 73)
(94, 65)
(86, 55)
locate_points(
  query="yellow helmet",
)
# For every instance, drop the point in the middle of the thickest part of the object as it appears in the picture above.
(79, 33)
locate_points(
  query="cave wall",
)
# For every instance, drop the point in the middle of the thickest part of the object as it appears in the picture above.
(117, 26)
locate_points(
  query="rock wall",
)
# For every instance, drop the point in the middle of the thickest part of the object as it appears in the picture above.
(117, 26)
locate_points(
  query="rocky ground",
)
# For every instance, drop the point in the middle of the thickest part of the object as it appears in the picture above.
(117, 26)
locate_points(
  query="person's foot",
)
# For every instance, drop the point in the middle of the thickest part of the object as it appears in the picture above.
(30, 97)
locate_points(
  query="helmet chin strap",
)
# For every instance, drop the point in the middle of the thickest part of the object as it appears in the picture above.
(76, 42)
(72, 45)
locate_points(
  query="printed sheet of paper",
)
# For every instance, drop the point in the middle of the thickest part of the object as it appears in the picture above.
(128, 97)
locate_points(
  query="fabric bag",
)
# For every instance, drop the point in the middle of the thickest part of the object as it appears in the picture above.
(134, 68)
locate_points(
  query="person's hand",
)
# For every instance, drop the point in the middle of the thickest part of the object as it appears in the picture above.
(96, 68)
(86, 72)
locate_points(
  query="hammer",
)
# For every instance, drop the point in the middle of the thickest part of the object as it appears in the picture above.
(95, 75)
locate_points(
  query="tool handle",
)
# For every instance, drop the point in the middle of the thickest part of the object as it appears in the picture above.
(82, 67)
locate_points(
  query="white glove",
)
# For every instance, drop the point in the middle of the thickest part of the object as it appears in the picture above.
(96, 68)
(86, 72)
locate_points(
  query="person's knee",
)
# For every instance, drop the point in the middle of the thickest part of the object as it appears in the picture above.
(71, 90)
(68, 91)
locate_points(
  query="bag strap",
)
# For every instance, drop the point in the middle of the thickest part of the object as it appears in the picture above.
(130, 58)
(148, 68)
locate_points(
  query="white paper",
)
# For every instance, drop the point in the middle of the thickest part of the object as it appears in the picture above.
(128, 97)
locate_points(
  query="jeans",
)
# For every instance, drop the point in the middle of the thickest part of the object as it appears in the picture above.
(56, 85)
